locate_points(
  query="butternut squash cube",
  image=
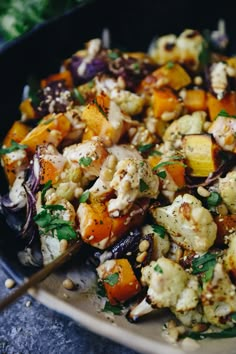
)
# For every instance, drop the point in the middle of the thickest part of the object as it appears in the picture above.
(202, 154)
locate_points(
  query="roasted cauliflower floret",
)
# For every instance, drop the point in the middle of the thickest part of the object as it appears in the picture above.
(185, 48)
(89, 155)
(227, 189)
(50, 242)
(129, 102)
(185, 125)
(230, 257)
(224, 131)
(132, 179)
(219, 298)
(161, 243)
(169, 285)
(188, 223)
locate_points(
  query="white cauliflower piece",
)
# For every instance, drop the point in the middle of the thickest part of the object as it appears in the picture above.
(224, 131)
(219, 79)
(188, 223)
(169, 285)
(164, 49)
(190, 318)
(161, 244)
(89, 155)
(219, 298)
(50, 245)
(185, 125)
(230, 256)
(227, 190)
(132, 179)
(185, 48)
(129, 102)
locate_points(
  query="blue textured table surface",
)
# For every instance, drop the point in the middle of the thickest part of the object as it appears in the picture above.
(39, 330)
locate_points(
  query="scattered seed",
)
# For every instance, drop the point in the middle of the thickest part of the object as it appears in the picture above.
(63, 245)
(68, 284)
(9, 283)
(203, 192)
(143, 246)
(28, 303)
(141, 257)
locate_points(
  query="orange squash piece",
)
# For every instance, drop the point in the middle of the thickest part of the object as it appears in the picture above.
(101, 230)
(165, 100)
(62, 76)
(177, 172)
(51, 129)
(227, 103)
(119, 280)
(27, 110)
(195, 100)
(173, 76)
(95, 115)
(17, 132)
(14, 162)
(202, 154)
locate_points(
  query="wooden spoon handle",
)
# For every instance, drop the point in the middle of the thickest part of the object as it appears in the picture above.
(41, 274)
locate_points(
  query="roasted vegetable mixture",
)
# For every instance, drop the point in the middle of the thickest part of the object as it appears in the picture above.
(135, 153)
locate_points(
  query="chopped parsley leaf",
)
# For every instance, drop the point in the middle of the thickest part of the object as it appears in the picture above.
(47, 185)
(78, 96)
(116, 309)
(160, 230)
(144, 148)
(13, 147)
(100, 108)
(162, 174)
(143, 185)
(166, 163)
(204, 265)
(112, 279)
(85, 161)
(170, 65)
(84, 197)
(51, 223)
(158, 269)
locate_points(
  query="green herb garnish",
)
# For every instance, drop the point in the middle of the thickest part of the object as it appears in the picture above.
(46, 122)
(143, 185)
(113, 55)
(112, 279)
(84, 197)
(155, 152)
(166, 163)
(144, 148)
(204, 265)
(162, 174)
(226, 333)
(85, 161)
(47, 185)
(204, 55)
(13, 147)
(214, 199)
(170, 65)
(160, 230)
(100, 108)
(158, 269)
(51, 223)
(224, 113)
(78, 96)
(116, 309)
